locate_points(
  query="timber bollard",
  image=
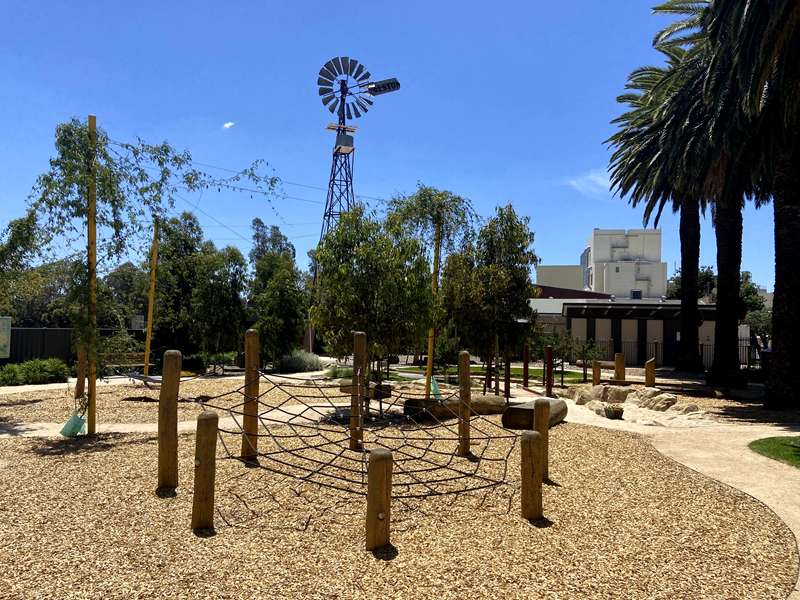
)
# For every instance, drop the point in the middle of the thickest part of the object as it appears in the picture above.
(548, 371)
(507, 380)
(595, 372)
(541, 422)
(357, 388)
(379, 498)
(650, 373)
(532, 476)
(619, 366)
(464, 405)
(252, 362)
(80, 384)
(526, 357)
(168, 423)
(205, 465)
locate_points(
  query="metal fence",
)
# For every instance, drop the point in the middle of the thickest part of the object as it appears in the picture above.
(28, 343)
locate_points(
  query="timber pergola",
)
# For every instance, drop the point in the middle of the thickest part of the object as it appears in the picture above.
(655, 310)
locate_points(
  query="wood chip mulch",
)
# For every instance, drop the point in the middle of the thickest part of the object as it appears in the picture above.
(81, 520)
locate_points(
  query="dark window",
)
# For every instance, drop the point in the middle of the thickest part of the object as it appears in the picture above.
(636, 294)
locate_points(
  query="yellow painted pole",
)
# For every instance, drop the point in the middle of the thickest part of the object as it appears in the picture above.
(91, 226)
(437, 248)
(151, 298)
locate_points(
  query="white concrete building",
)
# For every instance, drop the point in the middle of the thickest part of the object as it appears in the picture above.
(625, 263)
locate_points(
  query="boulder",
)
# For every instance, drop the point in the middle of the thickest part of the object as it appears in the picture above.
(617, 393)
(649, 392)
(634, 398)
(597, 407)
(660, 403)
(595, 392)
(520, 416)
(480, 404)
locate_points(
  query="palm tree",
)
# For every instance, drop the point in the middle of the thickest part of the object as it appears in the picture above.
(665, 153)
(755, 48)
(440, 217)
(648, 167)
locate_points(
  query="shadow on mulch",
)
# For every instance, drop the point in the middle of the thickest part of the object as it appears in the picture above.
(387, 553)
(88, 444)
(13, 403)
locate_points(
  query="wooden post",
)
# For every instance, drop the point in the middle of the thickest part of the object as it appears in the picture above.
(548, 371)
(205, 465)
(497, 377)
(650, 372)
(168, 423)
(532, 475)
(464, 405)
(541, 423)
(357, 388)
(595, 372)
(80, 384)
(487, 378)
(507, 379)
(619, 366)
(252, 362)
(91, 251)
(151, 298)
(526, 356)
(379, 498)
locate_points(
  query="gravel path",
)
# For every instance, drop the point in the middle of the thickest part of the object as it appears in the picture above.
(623, 522)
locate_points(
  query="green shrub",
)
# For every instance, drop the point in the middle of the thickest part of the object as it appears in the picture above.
(10, 375)
(298, 361)
(194, 363)
(49, 370)
(339, 372)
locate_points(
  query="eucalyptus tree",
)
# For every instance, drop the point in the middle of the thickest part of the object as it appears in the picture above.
(756, 65)
(442, 219)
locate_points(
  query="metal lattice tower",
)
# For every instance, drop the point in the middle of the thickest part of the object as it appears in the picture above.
(346, 90)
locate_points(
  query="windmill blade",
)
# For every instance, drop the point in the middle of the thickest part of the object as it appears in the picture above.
(324, 73)
(364, 76)
(331, 68)
(324, 81)
(355, 111)
(349, 114)
(326, 99)
(324, 91)
(345, 65)
(358, 71)
(366, 99)
(337, 65)
(333, 105)
(353, 65)
(362, 104)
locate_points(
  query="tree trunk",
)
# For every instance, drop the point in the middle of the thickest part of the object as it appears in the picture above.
(725, 369)
(437, 248)
(785, 357)
(689, 353)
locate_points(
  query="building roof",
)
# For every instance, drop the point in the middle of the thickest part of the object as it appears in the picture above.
(632, 309)
(549, 291)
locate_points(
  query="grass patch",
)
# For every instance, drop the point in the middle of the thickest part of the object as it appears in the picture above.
(784, 449)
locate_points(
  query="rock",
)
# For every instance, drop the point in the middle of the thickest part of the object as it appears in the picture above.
(661, 402)
(614, 411)
(520, 416)
(685, 409)
(597, 407)
(617, 393)
(649, 392)
(421, 408)
(634, 398)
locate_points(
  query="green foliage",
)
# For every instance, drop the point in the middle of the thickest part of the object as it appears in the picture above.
(32, 372)
(298, 361)
(760, 322)
(373, 279)
(279, 302)
(785, 449)
(10, 375)
(706, 283)
(269, 241)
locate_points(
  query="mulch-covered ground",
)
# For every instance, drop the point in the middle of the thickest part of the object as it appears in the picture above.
(80, 520)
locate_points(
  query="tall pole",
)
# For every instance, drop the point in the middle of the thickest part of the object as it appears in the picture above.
(91, 224)
(151, 298)
(437, 247)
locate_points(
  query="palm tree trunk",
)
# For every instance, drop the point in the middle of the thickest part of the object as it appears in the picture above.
(728, 224)
(689, 354)
(785, 357)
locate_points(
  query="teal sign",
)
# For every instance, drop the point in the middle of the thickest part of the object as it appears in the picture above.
(5, 337)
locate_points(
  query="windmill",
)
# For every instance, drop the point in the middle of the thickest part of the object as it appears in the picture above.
(347, 91)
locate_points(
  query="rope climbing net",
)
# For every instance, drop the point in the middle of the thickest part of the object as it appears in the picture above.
(303, 433)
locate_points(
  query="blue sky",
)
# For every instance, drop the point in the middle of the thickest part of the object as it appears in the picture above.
(508, 102)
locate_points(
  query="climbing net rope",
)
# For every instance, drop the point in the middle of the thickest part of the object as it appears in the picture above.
(303, 434)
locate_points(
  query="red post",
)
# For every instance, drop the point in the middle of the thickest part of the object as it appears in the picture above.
(548, 371)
